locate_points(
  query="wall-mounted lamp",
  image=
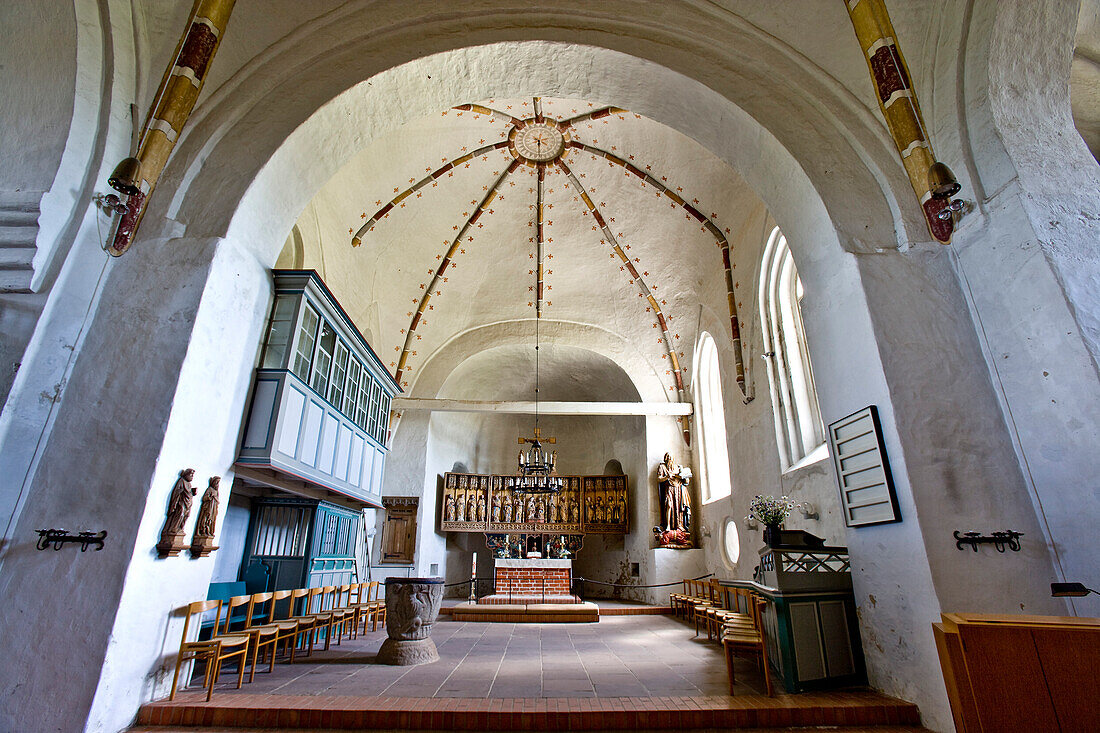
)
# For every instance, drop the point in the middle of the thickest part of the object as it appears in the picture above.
(942, 184)
(109, 203)
(1076, 590)
(809, 511)
(126, 178)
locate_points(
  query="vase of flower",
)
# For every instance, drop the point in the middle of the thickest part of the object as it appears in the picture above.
(771, 512)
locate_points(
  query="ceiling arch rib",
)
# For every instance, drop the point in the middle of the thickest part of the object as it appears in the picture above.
(430, 178)
(418, 316)
(707, 224)
(636, 278)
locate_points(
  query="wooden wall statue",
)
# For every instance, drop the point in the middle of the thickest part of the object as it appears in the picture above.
(586, 505)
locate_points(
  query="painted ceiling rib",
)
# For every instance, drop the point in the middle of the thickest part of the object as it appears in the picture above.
(483, 110)
(593, 115)
(705, 223)
(433, 176)
(524, 407)
(417, 317)
(636, 278)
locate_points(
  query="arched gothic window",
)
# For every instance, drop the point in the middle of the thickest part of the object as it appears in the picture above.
(798, 426)
(710, 412)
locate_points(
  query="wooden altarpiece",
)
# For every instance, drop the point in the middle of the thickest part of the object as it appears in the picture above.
(586, 505)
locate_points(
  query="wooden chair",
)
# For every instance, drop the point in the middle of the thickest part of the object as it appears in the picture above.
(213, 651)
(315, 609)
(299, 612)
(258, 636)
(740, 641)
(343, 613)
(289, 628)
(267, 634)
(734, 610)
(676, 600)
(363, 607)
(377, 611)
(701, 604)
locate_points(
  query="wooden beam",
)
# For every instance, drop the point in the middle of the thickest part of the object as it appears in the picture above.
(402, 404)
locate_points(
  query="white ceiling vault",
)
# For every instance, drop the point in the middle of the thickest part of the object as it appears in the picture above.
(432, 232)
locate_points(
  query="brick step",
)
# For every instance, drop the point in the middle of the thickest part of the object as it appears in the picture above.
(850, 708)
(504, 598)
(636, 611)
(816, 729)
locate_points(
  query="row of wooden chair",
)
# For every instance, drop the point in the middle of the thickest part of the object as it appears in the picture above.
(732, 615)
(307, 613)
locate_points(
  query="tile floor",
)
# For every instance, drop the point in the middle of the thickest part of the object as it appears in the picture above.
(621, 656)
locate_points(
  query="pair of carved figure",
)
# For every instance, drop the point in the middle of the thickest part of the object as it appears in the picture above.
(180, 502)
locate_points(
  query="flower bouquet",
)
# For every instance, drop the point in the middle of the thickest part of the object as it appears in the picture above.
(771, 512)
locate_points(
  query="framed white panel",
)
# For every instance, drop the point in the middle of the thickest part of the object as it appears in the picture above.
(328, 444)
(369, 455)
(355, 462)
(862, 469)
(311, 433)
(343, 446)
(259, 421)
(375, 486)
(290, 421)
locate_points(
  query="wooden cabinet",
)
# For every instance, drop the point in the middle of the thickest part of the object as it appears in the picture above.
(1020, 673)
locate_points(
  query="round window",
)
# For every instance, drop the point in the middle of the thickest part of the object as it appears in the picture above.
(730, 542)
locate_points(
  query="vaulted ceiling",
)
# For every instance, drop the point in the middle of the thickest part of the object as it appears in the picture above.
(434, 231)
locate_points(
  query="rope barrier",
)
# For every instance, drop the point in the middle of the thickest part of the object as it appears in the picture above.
(586, 580)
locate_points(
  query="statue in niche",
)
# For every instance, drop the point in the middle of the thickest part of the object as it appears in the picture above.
(616, 513)
(496, 508)
(529, 510)
(470, 511)
(552, 509)
(574, 511)
(481, 508)
(449, 508)
(622, 508)
(517, 508)
(589, 509)
(664, 473)
(202, 543)
(179, 508)
(601, 510)
(540, 511)
(672, 486)
(672, 482)
(507, 509)
(460, 512)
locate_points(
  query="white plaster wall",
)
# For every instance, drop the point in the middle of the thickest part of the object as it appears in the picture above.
(232, 536)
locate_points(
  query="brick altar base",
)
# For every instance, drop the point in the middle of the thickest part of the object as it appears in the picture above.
(532, 581)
